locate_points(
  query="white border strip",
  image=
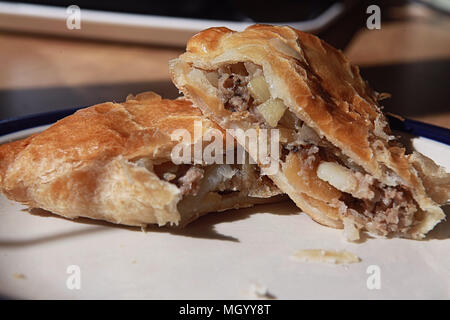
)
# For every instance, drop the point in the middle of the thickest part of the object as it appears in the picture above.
(129, 27)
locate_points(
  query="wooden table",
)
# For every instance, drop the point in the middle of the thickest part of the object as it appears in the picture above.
(409, 58)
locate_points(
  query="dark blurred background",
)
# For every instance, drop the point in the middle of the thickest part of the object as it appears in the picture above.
(408, 57)
(227, 10)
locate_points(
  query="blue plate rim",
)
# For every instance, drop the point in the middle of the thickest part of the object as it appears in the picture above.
(16, 124)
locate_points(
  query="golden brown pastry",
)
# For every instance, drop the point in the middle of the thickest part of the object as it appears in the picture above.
(113, 162)
(340, 162)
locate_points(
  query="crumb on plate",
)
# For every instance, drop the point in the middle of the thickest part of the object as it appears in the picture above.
(326, 256)
(19, 276)
(258, 291)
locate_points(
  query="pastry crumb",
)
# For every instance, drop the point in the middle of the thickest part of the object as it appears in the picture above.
(258, 291)
(19, 276)
(326, 256)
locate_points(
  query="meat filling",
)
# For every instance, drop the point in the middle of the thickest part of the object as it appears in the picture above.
(378, 207)
(190, 182)
(233, 89)
(392, 212)
(382, 209)
(195, 180)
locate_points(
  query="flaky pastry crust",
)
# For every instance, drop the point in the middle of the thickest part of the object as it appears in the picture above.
(323, 89)
(100, 163)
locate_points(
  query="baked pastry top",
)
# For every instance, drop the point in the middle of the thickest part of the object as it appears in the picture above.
(340, 164)
(112, 161)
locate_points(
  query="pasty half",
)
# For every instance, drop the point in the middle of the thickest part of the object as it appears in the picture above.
(112, 162)
(339, 161)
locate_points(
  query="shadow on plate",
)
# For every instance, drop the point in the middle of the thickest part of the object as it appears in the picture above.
(44, 239)
(202, 228)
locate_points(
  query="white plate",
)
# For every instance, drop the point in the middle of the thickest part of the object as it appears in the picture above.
(220, 256)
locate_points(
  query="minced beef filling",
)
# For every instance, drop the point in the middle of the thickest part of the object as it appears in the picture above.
(189, 183)
(223, 179)
(381, 208)
(233, 90)
(184, 176)
(392, 209)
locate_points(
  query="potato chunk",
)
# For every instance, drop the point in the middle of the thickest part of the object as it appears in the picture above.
(272, 110)
(338, 176)
(258, 89)
(213, 78)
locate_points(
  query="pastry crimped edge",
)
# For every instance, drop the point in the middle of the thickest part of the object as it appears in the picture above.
(309, 76)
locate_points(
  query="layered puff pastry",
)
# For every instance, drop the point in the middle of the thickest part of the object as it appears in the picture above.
(339, 161)
(113, 162)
